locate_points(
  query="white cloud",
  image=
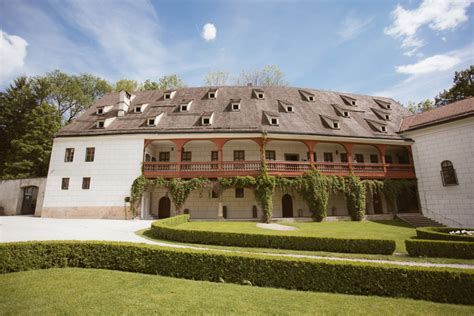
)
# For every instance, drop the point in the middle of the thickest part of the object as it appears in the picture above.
(209, 32)
(431, 64)
(430, 76)
(351, 27)
(12, 55)
(438, 15)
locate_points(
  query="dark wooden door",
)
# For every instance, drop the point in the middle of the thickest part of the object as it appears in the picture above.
(164, 207)
(28, 205)
(377, 203)
(287, 205)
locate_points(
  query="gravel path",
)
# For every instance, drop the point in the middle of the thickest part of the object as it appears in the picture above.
(28, 228)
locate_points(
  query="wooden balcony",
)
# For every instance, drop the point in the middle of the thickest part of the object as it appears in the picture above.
(213, 169)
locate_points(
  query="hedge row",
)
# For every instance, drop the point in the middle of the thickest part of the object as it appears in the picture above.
(166, 229)
(442, 233)
(434, 284)
(440, 248)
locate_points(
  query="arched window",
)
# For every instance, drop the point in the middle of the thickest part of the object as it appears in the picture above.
(448, 173)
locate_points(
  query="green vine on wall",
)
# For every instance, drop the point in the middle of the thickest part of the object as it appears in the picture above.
(355, 191)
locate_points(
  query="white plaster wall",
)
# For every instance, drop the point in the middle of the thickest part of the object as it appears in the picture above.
(252, 150)
(11, 194)
(116, 164)
(451, 205)
(288, 147)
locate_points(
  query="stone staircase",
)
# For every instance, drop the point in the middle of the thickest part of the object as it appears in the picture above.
(418, 220)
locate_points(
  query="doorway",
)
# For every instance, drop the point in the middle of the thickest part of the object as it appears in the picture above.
(28, 205)
(378, 208)
(287, 205)
(164, 207)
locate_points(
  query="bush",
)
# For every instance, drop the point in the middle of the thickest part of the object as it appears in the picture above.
(440, 248)
(434, 284)
(442, 233)
(164, 229)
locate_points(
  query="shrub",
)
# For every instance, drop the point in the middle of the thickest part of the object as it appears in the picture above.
(440, 248)
(442, 233)
(447, 285)
(165, 229)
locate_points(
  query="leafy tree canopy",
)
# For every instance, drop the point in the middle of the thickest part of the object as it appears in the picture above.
(127, 85)
(270, 75)
(420, 107)
(463, 88)
(216, 78)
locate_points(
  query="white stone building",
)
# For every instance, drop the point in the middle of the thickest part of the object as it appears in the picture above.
(222, 132)
(443, 150)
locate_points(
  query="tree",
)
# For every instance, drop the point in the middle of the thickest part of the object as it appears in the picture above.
(17, 104)
(216, 78)
(164, 83)
(32, 150)
(127, 85)
(423, 106)
(270, 75)
(463, 88)
(72, 94)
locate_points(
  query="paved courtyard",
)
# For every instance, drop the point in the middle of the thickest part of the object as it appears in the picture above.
(27, 228)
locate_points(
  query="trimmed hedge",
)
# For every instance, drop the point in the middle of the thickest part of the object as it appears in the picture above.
(440, 248)
(165, 229)
(434, 284)
(442, 233)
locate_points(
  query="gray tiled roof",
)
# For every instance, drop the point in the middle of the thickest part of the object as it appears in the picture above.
(304, 120)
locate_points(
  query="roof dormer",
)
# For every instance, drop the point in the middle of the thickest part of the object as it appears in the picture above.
(185, 105)
(272, 118)
(259, 94)
(140, 108)
(382, 114)
(207, 118)
(331, 122)
(308, 96)
(103, 109)
(377, 126)
(235, 105)
(104, 123)
(288, 107)
(345, 111)
(169, 94)
(383, 104)
(212, 93)
(153, 121)
(349, 100)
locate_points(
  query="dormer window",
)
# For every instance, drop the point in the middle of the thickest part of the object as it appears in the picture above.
(168, 95)
(100, 111)
(387, 117)
(335, 125)
(151, 122)
(353, 102)
(259, 94)
(383, 104)
(349, 100)
(290, 109)
(272, 118)
(184, 108)
(330, 122)
(383, 129)
(138, 109)
(311, 98)
(345, 114)
(207, 118)
(308, 96)
(274, 121)
(100, 124)
(212, 94)
(235, 106)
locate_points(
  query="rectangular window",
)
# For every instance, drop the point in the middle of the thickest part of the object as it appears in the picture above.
(164, 156)
(86, 183)
(214, 155)
(359, 158)
(328, 157)
(235, 106)
(374, 159)
(239, 192)
(214, 194)
(270, 155)
(185, 156)
(388, 159)
(69, 155)
(343, 157)
(65, 184)
(90, 151)
(239, 155)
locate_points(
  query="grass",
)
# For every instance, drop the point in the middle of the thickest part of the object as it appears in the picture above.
(145, 233)
(85, 292)
(392, 229)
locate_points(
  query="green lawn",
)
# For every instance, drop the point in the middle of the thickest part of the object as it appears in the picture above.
(85, 292)
(393, 229)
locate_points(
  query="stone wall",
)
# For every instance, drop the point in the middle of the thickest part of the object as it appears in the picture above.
(11, 194)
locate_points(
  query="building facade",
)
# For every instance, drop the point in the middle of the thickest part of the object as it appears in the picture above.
(442, 152)
(222, 132)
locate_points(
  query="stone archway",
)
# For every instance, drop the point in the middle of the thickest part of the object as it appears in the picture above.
(164, 207)
(287, 205)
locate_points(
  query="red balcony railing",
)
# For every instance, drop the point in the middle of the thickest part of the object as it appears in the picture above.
(284, 168)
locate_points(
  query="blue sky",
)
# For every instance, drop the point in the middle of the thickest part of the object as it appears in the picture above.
(407, 50)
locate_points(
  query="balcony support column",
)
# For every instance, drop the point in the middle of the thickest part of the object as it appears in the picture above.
(348, 147)
(179, 143)
(219, 142)
(381, 149)
(410, 155)
(310, 145)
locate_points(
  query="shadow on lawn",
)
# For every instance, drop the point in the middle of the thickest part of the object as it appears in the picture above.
(394, 222)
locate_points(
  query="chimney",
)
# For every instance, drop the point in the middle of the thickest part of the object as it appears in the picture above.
(124, 102)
